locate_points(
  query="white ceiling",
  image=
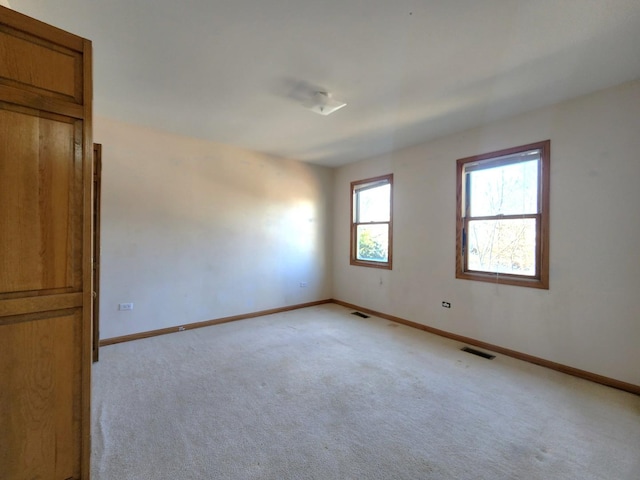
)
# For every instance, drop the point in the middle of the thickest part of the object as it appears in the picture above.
(237, 71)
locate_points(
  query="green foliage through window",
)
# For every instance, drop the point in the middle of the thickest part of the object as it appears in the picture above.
(372, 243)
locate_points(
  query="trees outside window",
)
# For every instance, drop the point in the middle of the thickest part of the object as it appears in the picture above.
(371, 223)
(503, 216)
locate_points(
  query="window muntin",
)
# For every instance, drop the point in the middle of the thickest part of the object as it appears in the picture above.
(371, 226)
(502, 224)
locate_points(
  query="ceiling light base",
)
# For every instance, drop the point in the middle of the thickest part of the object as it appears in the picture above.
(325, 104)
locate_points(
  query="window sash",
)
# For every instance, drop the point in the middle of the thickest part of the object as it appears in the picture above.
(467, 187)
(385, 243)
(357, 203)
(537, 249)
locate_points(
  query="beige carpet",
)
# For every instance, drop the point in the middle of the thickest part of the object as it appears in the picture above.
(322, 394)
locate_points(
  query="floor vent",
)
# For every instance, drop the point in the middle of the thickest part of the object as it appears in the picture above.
(478, 353)
(360, 314)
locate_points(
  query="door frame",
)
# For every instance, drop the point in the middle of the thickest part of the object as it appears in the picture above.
(97, 190)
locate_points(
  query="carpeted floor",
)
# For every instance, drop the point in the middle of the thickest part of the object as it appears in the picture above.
(321, 394)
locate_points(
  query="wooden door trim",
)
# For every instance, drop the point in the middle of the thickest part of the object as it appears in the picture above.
(87, 271)
(97, 189)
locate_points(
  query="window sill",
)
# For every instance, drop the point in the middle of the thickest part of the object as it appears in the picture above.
(364, 263)
(504, 279)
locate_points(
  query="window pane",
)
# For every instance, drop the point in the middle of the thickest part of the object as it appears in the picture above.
(504, 190)
(372, 242)
(502, 246)
(374, 204)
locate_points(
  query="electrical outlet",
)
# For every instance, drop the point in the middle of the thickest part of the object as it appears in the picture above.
(303, 284)
(446, 304)
(125, 306)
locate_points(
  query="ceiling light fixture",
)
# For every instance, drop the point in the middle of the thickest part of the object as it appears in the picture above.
(324, 103)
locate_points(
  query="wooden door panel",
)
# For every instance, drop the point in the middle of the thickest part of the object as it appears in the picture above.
(41, 358)
(31, 63)
(40, 216)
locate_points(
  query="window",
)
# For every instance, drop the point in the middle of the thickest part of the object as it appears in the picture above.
(371, 225)
(503, 216)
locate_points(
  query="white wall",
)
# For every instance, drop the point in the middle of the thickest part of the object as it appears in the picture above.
(590, 317)
(194, 230)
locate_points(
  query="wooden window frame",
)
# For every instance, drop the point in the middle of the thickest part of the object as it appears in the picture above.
(354, 224)
(541, 277)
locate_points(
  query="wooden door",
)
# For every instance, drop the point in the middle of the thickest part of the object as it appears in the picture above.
(45, 250)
